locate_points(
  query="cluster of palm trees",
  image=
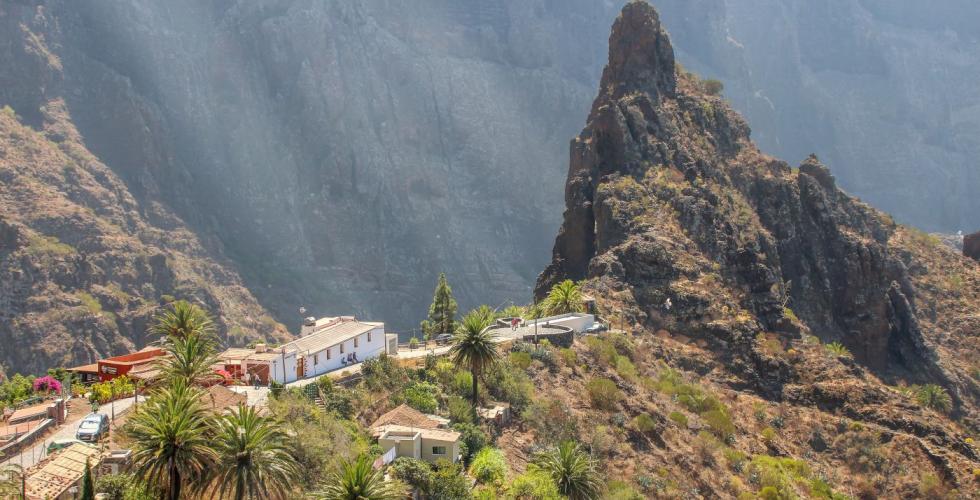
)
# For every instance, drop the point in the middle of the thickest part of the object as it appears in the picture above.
(182, 447)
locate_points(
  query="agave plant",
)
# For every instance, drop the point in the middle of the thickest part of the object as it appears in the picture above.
(358, 480)
(935, 397)
(838, 349)
(574, 471)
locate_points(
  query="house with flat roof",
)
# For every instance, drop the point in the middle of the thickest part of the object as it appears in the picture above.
(325, 345)
(407, 432)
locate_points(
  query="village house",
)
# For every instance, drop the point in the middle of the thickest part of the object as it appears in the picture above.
(324, 345)
(407, 432)
(59, 476)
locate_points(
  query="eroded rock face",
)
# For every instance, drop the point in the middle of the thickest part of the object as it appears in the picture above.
(971, 246)
(673, 215)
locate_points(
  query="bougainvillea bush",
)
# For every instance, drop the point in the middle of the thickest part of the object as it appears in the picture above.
(47, 383)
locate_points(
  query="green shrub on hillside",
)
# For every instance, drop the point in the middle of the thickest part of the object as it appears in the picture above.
(422, 396)
(604, 394)
(838, 349)
(934, 397)
(712, 86)
(644, 424)
(489, 466)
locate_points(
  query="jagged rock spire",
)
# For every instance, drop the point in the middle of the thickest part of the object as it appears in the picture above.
(641, 56)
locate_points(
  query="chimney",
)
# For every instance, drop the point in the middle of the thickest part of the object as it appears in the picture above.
(260, 348)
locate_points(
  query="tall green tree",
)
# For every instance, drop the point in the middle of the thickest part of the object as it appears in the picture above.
(442, 312)
(181, 319)
(254, 461)
(565, 297)
(475, 348)
(88, 484)
(190, 358)
(172, 435)
(358, 480)
(574, 471)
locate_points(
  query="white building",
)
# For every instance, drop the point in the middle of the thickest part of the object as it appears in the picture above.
(325, 345)
(579, 322)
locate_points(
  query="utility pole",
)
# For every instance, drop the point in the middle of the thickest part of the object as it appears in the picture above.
(534, 301)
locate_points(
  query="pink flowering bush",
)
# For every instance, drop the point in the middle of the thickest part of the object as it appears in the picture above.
(47, 383)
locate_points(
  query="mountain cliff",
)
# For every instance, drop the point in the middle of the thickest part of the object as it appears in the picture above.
(84, 264)
(340, 153)
(743, 265)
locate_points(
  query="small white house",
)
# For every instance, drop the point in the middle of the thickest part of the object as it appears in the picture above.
(325, 345)
(579, 322)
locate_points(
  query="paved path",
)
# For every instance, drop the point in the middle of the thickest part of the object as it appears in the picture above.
(34, 454)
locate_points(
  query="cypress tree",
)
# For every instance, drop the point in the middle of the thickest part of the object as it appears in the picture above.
(442, 312)
(88, 485)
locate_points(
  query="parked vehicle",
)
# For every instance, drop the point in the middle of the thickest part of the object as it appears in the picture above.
(596, 328)
(92, 428)
(443, 338)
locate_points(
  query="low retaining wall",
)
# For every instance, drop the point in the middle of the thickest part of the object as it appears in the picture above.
(24, 440)
(563, 338)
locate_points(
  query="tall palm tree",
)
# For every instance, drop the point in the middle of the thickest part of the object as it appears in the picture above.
(475, 347)
(358, 480)
(172, 438)
(573, 470)
(190, 358)
(182, 319)
(254, 461)
(565, 297)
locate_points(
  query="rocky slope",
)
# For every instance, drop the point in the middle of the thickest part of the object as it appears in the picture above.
(744, 264)
(83, 267)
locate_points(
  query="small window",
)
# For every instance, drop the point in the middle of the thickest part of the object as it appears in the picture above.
(341, 347)
(316, 359)
(328, 353)
(369, 336)
(355, 342)
(438, 450)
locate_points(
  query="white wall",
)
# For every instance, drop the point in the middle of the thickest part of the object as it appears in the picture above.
(365, 350)
(576, 321)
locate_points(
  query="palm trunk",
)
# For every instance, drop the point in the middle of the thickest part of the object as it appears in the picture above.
(174, 482)
(476, 392)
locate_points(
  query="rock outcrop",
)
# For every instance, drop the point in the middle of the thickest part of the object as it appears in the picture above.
(674, 218)
(971, 246)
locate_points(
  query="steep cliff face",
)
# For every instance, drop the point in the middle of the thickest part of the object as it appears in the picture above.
(677, 221)
(342, 152)
(882, 88)
(83, 264)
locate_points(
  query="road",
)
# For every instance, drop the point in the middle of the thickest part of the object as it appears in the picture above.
(38, 451)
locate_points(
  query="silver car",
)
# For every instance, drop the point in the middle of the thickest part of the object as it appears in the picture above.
(92, 428)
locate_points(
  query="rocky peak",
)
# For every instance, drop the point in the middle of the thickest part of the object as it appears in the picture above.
(641, 57)
(676, 219)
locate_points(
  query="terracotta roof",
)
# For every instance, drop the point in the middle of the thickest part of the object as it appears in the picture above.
(92, 368)
(405, 416)
(235, 354)
(220, 398)
(145, 372)
(439, 434)
(331, 335)
(55, 474)
(29, 412)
